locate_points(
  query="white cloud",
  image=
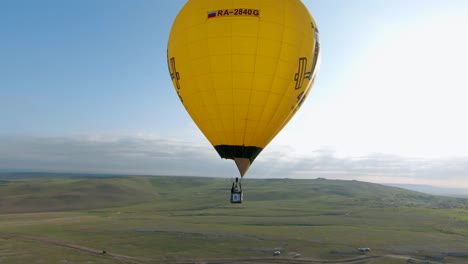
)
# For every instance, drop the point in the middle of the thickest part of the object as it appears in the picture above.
(157, 156)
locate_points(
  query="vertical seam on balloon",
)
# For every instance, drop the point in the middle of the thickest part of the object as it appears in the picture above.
(221, 137)
(285, 90)
(291, 113)
(273, 76)
(232, 84)
(251, 83)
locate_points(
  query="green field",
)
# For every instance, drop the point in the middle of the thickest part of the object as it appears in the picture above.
(71, 219)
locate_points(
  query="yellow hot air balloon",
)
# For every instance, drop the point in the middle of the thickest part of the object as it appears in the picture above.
(242, 68)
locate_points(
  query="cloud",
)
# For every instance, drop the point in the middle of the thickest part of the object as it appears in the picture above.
(135, 154)
(379, 168)
(145, 154)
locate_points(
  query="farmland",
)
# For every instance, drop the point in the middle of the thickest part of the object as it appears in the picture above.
(141, 219)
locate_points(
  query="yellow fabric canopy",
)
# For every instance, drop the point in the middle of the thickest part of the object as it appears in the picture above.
(242, 68)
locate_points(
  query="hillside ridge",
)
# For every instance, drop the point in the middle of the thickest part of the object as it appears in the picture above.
(31, 192)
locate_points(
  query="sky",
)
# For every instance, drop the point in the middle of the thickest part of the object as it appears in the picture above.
(84, 87)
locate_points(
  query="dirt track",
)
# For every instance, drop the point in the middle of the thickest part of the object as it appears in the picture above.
(138, 260)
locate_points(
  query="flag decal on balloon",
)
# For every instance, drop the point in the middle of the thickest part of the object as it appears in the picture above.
(211, 14)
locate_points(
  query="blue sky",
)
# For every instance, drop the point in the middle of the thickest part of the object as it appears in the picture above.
(85, 88)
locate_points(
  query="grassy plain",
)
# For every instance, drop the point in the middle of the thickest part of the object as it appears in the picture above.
(190, 220)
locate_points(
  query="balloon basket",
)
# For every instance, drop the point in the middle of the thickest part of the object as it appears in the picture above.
(236, 197)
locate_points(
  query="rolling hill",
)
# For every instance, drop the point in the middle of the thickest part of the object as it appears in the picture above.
(65, 194)
(142, 219)
(31, 192)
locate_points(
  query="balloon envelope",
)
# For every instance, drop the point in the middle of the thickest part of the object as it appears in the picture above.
(242, 69)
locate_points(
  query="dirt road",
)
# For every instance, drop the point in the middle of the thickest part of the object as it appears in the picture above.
(139, 260)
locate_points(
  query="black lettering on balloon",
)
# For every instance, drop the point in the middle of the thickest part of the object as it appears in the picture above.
(236, 12)
(174, 73)
(300, 98)
(302, 73)
(316, 50)
(180, 97)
